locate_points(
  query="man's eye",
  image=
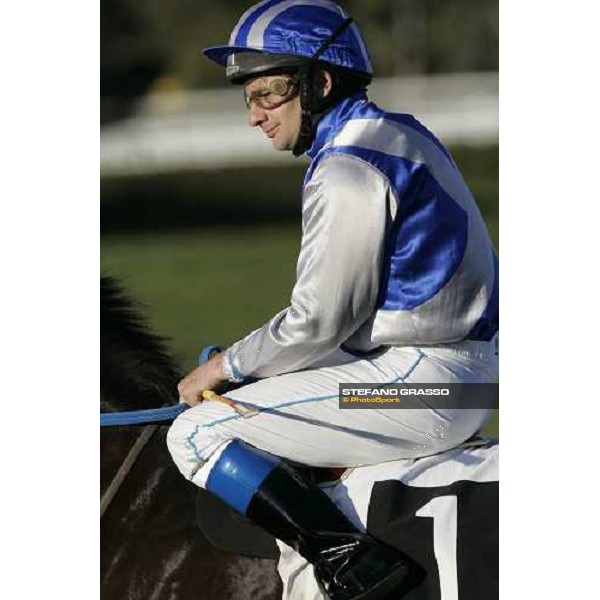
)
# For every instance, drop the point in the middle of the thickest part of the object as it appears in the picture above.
(279, 87)
(259, 94)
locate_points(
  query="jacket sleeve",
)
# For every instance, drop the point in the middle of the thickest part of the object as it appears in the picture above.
(346, 211)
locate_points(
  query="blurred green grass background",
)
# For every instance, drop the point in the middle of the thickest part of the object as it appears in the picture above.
(210, 263)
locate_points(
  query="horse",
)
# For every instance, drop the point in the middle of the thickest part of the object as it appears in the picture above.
(151, 546)
(441, 511)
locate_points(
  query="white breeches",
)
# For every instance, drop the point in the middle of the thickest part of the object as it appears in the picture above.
(300, 418)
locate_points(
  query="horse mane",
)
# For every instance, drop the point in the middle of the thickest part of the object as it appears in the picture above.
(136, 368)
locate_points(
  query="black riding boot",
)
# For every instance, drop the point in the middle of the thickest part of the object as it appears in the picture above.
(349, 564)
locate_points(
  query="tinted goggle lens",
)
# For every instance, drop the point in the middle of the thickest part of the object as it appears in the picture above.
(271, 95)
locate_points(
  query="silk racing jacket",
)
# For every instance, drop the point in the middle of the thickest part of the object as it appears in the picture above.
(394, 249)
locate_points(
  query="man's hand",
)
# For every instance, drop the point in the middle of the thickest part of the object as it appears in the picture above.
(208, 376)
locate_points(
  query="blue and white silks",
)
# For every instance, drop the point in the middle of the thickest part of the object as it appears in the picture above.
(394, 249)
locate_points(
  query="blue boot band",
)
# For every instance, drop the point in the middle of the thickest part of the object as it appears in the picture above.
(238, 473)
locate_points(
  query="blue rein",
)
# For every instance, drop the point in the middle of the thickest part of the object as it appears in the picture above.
(142, 417)
(165, 414)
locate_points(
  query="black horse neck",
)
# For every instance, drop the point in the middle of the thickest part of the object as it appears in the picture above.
(136, 369)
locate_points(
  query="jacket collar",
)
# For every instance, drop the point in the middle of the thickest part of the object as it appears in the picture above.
(333, 121)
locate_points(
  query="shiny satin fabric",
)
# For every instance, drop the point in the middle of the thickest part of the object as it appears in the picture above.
(394, 249)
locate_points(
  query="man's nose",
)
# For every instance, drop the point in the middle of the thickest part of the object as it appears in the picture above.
(257, 115)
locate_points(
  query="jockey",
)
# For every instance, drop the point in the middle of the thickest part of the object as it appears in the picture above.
(397, 282)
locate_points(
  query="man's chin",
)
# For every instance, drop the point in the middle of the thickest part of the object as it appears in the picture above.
(281, 147)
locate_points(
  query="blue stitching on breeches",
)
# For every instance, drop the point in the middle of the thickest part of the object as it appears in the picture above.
(192, 443)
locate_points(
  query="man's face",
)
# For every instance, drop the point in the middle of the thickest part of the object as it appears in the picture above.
(274, 106)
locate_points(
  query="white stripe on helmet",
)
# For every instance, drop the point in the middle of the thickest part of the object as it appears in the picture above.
(257, 32)
(243, 20)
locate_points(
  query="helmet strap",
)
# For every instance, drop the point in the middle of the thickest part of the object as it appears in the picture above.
(307, 133)
(308, 103)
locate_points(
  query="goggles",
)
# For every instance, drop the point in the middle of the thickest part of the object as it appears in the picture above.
(273, 94)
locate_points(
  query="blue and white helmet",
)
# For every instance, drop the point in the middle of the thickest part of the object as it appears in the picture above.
(286, 33)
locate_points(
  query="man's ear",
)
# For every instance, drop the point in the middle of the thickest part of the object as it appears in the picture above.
(323, 83)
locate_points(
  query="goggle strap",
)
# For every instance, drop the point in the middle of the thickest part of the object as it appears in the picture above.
(334, 36)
